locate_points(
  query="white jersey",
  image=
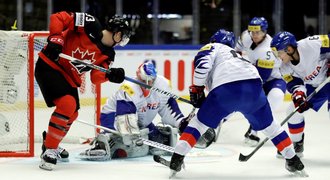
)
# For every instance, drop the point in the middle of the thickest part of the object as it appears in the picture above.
(312, 67)
(130, 99)
(217, 64)
(261, 56)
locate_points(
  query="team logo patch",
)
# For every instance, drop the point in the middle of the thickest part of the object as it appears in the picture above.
(128, 89)
(80, 19)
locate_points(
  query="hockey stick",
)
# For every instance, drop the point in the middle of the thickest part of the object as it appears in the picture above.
(161, 160)
(244, 158)
(93, 66)
(139, 142)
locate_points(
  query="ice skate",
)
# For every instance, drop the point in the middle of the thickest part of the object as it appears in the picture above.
(299, 147)
(62, 154)
(251, 139)
(48, 159)
(176, 164)
(295, 166)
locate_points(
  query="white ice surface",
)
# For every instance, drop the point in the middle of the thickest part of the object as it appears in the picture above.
(219, 161)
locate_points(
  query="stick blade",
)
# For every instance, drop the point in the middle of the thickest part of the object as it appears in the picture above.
(243, 158)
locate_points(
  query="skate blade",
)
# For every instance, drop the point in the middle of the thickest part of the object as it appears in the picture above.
(46, 166)
(63, 159)
(172, 174)
(301, 173)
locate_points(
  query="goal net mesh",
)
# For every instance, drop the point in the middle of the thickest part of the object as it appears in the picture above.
(23, 113)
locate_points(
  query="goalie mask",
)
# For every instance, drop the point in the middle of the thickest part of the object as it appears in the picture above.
(146, 73)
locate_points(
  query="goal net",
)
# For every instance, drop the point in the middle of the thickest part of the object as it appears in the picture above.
(23, 113)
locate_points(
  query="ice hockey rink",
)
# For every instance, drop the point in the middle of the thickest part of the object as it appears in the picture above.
(219, 161)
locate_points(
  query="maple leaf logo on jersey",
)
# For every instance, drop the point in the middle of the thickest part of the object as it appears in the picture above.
(83, 55)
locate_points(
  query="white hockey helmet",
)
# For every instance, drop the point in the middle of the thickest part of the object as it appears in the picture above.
(146, 73)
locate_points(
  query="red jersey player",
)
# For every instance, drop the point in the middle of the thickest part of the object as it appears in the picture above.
(79, 35)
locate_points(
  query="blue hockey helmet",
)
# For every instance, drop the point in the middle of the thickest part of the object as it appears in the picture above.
(258, 24)
(224, 37)
(282, 40)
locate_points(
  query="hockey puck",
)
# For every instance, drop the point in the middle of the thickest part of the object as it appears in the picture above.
(139, 142)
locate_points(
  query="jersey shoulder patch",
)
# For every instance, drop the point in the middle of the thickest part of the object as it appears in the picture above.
(128, 89)
(206, 47)
(287, 78)
(267, 64)
(325, 41)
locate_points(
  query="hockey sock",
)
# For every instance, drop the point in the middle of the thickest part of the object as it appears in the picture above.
(72, 118)
(65, 108)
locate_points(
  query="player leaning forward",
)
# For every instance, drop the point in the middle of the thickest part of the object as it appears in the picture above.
(234, 85)
(131, 111)
(72, 34)
(305, 66)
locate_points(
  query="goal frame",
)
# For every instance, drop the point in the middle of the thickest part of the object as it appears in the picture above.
(30, 99)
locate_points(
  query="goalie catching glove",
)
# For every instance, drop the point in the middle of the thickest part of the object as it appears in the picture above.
(299, 100)
(197, 95)
(54, 47)
(116, 75)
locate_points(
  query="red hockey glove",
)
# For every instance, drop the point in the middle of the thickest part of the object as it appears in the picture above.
(54, 47)
(197, 95)
(299, 100)
(116, 75)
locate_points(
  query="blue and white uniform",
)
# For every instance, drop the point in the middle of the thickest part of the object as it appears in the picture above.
(268, 66)
(130, 99)
(307, 75)
(234, 85)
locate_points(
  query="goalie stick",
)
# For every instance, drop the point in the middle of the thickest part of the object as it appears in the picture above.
(244, 158)
(139, 142)
(93, 66)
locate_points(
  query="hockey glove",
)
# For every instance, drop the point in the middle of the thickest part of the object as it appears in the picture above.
(299, 100)
(54, 47)
(197, 95)
(116, 75)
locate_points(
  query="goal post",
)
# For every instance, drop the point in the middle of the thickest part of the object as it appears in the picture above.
(23, 113)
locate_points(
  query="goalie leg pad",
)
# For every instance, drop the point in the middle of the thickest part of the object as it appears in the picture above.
(120, 150)
(100, 151)
(128, 127)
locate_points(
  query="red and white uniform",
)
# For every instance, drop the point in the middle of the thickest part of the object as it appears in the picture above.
(82, 36)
